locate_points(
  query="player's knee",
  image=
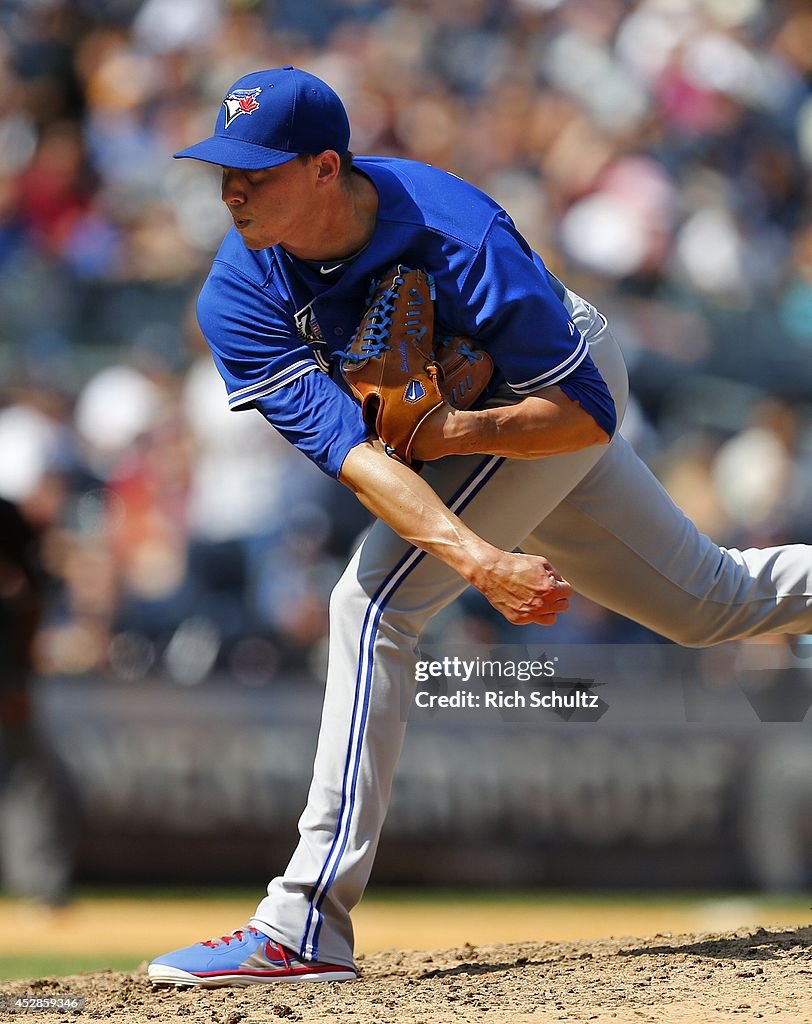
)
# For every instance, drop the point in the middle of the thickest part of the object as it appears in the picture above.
(346, 596)
(353, 602)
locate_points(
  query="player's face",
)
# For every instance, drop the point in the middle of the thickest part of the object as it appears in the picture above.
(271, 206)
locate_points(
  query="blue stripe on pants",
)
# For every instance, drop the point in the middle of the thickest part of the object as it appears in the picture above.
(460, 501)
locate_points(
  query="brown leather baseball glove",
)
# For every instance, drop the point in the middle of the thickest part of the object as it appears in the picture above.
(399, 371)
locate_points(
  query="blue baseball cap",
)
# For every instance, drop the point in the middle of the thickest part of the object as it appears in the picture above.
(270, 117)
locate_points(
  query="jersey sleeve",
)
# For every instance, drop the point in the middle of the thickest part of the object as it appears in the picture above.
(314, 414)
(266, 366)
(512, 310)
(252, 338)
(586, 386)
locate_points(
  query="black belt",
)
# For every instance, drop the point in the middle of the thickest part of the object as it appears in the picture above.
(556, 285)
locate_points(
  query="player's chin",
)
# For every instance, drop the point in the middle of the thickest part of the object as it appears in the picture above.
(256, 244)
(253, 239)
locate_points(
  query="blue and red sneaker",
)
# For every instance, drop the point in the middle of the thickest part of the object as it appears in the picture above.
(245, 957)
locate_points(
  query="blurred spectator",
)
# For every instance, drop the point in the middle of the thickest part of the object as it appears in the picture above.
(36, 821)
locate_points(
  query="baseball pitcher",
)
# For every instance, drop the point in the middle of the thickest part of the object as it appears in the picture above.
(390, 321)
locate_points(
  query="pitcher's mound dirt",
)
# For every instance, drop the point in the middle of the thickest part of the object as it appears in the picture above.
(685, 979)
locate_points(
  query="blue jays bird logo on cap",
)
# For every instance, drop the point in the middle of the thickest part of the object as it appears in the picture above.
(240, 101)
(414, 391)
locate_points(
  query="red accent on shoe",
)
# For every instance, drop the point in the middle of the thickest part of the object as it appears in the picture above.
(236, 934)
(275, 951)
(258, 973)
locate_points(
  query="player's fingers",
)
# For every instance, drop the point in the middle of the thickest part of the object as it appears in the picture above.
(545, 616)
(551, 569)
(561, 587)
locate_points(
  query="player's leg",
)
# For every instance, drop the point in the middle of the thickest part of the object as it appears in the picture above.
(378, 609)
(621, 541)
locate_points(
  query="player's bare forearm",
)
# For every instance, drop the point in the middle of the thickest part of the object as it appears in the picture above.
(403, 500)
(524, 588)
(547, 423)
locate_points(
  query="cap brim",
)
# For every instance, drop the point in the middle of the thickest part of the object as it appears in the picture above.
(245, 156)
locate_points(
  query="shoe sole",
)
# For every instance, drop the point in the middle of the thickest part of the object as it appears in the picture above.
(161, 974)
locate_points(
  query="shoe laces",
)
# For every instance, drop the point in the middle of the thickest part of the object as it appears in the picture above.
(236, 934)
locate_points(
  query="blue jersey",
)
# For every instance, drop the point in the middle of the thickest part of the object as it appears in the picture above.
(276, 324)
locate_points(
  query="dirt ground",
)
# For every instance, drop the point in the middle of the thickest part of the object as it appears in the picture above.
(761, 974)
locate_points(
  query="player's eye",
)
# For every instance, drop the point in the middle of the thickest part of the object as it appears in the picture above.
(255, 177)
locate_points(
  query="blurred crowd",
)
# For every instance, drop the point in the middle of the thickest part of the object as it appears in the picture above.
(655, 152)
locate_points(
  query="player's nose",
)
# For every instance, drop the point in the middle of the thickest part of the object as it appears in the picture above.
(231, 190)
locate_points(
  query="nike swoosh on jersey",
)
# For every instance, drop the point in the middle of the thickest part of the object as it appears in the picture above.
(329, 270)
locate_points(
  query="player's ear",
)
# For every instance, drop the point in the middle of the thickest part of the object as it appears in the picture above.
(329, 166)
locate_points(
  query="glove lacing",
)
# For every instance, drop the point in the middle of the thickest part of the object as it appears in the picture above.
(375, 333)
(463, 348)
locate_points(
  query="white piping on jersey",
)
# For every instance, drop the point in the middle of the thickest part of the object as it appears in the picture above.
(302, 363)
(280, 384)
(550, 377)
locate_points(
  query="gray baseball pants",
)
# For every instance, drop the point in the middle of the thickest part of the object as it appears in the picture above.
(606, 524)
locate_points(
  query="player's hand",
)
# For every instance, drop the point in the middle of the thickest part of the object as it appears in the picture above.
(525, 588)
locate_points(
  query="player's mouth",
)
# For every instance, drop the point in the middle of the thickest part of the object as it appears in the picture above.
(240, 223)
